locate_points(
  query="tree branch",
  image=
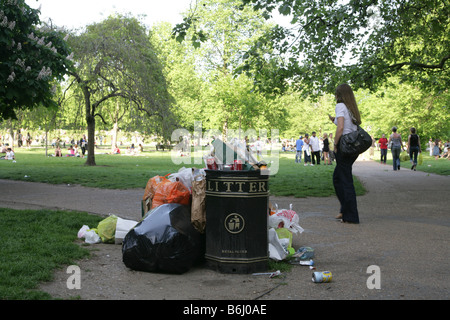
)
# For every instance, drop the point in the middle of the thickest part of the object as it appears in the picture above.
(101, 117)
(398, 66)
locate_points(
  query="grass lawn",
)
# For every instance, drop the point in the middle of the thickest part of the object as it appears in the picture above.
(125, 172)
(34, 244)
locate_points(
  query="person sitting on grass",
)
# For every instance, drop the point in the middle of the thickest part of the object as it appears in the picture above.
(9, 155)
(71, 152)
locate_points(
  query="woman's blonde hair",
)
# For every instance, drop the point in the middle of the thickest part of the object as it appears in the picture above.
(344, 94)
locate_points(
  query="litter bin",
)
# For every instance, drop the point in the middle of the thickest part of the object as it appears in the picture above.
(236, 221)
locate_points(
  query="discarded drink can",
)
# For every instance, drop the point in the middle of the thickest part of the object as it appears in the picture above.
(211, 163)
(237, 165)
(323, 276)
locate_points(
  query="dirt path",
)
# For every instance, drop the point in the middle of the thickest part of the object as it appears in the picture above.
(404, 231)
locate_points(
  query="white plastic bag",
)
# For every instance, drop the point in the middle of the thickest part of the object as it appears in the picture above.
(82, 231)
(184, 175)
(276, 249)
(92, 237)
(289, 218)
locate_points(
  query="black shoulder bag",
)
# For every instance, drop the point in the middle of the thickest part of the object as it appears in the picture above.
(356, 142)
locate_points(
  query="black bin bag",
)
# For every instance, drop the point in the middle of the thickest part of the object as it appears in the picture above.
(164, 241)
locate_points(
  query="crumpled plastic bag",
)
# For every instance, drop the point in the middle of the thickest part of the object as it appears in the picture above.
(285, 237)
(171, 192)
(183, 175)
(92, 237)
(107, 229)
(276, 248)
(305, 253)
(288, 219)
(152, 184)
(164, 241)
(82, 231)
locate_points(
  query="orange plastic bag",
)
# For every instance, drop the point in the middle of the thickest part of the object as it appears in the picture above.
(152, 184)
(171, 192)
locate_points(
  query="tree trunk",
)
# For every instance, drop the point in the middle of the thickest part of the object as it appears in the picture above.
(90, 161)
(90, 120)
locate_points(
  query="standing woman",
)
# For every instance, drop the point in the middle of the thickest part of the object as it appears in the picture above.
(326, 149)
(347, 118)
(395, 140)
(413, 147)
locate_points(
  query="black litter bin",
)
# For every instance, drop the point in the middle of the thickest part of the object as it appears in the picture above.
(236, 221)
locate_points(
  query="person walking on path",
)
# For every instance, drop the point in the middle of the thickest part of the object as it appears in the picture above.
(383, 143)
(413, 147)
(346, 120)
(396, 147)
(299, 147)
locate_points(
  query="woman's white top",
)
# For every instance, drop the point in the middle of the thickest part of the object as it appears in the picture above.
(342, 111)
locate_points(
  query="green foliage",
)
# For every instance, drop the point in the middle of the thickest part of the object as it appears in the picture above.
(362, 42)
(31, 58)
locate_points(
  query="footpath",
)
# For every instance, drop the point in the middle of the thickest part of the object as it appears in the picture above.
(403, 234)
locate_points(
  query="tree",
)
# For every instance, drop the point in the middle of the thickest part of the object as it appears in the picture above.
(363, 42)
(228, 100)
(32, 57)
(116, 59)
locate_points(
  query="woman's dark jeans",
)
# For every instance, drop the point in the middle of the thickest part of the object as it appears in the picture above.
(396, 157)
(383, 155)
(413, 152)
(343, 185)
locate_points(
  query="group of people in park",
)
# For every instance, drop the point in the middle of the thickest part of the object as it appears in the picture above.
(412, 146)
(77, 149)
(396, 145)
(313, 149)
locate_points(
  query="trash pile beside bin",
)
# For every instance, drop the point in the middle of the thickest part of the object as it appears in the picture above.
(283, 223)
(172, 235)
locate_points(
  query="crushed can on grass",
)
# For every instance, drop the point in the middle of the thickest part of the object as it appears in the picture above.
(321, 276)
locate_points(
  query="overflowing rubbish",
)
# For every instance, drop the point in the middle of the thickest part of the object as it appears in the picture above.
(170, 237)
(282, 225)
(110, 230)
(164, 241)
